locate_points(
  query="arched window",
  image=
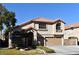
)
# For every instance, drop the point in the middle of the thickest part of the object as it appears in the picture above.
(58, 27)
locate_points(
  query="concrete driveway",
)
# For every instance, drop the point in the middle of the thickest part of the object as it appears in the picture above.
(65, 50)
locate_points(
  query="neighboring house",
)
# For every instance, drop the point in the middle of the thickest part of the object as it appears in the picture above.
(72, 31)
(43, 31)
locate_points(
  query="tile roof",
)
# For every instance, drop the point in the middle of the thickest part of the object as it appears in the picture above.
(40, 19)
(75, 25)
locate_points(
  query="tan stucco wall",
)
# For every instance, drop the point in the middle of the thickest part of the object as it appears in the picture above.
(51, 29)
(71, 33)
(45, 33)
(62, 27)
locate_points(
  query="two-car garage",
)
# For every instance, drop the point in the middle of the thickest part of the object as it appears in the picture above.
(51, 41)
(56, 40)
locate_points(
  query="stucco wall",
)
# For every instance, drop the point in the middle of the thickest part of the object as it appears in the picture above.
(51, 28)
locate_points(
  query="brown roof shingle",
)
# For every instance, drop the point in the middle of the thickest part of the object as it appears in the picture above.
(75, 25)
(40, 19)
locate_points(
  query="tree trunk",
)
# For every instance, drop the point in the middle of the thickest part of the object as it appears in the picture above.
(2, 35)
(10, 42)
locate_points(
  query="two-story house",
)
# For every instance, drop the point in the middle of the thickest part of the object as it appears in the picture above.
(44, 31)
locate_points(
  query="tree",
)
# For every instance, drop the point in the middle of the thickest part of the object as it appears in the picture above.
(2, 11)
(1, 25)
(10, 21)
(7, 18)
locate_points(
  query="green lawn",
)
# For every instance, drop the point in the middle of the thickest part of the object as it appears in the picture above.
(6, 51)
(17, 52)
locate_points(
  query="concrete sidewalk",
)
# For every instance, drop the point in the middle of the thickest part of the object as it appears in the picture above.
(65, 50)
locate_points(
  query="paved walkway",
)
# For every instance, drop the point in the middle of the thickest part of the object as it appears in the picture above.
(65, 50)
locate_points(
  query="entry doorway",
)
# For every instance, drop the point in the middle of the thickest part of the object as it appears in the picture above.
(29, 40)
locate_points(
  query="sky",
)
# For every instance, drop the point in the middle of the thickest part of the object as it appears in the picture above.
(69, 13)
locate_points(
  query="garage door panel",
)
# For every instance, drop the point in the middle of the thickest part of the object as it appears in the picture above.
(70, 41)
(54, 41)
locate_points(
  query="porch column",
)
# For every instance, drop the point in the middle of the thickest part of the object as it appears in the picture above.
(76, 42)
(44, 42)
(35, 37)
(62, 41)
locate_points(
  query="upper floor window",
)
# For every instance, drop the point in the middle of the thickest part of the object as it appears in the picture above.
(42, 26)
(58, 27)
